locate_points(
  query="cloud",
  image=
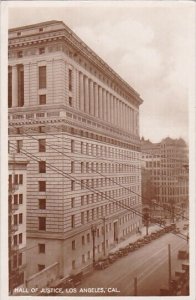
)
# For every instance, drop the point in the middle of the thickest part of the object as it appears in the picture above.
(149, 46)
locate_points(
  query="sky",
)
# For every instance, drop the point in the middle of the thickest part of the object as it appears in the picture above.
(149, 44)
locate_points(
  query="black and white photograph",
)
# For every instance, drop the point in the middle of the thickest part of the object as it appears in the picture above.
(98, 149)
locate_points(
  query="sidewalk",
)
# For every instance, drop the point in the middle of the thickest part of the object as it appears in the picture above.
(134, 237)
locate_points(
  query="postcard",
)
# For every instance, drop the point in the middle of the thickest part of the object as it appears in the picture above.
(97, 149)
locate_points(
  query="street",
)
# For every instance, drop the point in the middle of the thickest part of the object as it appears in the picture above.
(149, 264)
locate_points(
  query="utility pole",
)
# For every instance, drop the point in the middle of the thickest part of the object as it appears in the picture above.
(135, 286)
(93, 230)
(169, 265)
(104, 237)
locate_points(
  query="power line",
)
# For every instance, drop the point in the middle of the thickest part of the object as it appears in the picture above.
(87, 186)
(110, 179)
(121, 155)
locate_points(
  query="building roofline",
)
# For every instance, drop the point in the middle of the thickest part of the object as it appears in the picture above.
(34, 25)
(87, 48)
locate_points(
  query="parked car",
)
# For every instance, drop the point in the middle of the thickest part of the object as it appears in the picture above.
(102, 264)
(76, 278)
(147, 239)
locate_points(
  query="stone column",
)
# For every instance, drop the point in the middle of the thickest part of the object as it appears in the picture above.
(81, 94)
(86, 93)
(14, 86)
(100, 102)
(112, 109)
(96, 100)
(104, 105)
(91, 100)
(108, 107)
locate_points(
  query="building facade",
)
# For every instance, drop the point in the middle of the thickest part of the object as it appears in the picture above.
(166, 163)
(17, 222)
(78, 123)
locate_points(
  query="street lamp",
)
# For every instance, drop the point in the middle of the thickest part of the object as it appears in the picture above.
(93, 230)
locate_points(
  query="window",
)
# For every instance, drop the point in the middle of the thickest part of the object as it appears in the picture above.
(72, 167)
(19, 144)
(20, 238)
(16, 199)
(42, 167)
(20, 198)
(42, 99)
(82, 217)
(89, 255)
(42, 223)
(42, 77)
(83, 258)
(20, 259)
(15, 219)
(73, 264)
(42, 186)
(82, 167)
(20, 179)
(73, 245)
(15, 261)
(41, 50)
(16, 179)
(72, 202)
(83, 240)
(18, 33)
(41, 267)
(72, 185)
(42, 129)
(19, 54)
(88, 237)
(82, 184)
(70, 101)
(42, 203)
(41, 29)
(70, 80)
(20, 218)
(82, 200)
(42, 145)
(72, 146)
(42, 248)
(87, 216)
(15, 240)
(72, 221)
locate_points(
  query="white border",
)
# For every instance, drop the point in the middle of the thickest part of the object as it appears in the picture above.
(4, 123)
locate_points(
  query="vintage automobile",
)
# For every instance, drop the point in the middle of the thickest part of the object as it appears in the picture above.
(102, 264)
(76, 278)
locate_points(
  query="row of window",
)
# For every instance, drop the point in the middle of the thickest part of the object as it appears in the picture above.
(102, 151)
(17, 261)
(90, 149)
(90, 215)
(18, 238)
(17, 199)
(89, 199)
(91, 167)
(15, 179)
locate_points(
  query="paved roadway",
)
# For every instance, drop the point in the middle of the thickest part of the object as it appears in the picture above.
(149, 264)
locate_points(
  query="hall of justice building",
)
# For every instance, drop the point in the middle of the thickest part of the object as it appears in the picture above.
(77, 121)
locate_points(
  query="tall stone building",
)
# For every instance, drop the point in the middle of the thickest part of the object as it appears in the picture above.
(77, 122)
(17, 222)
(167, 162)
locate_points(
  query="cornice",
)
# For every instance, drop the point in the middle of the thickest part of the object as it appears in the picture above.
(81, 48)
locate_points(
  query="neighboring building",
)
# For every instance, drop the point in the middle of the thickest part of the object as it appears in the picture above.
(17, 222)
(79, 121)
(166, 163)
